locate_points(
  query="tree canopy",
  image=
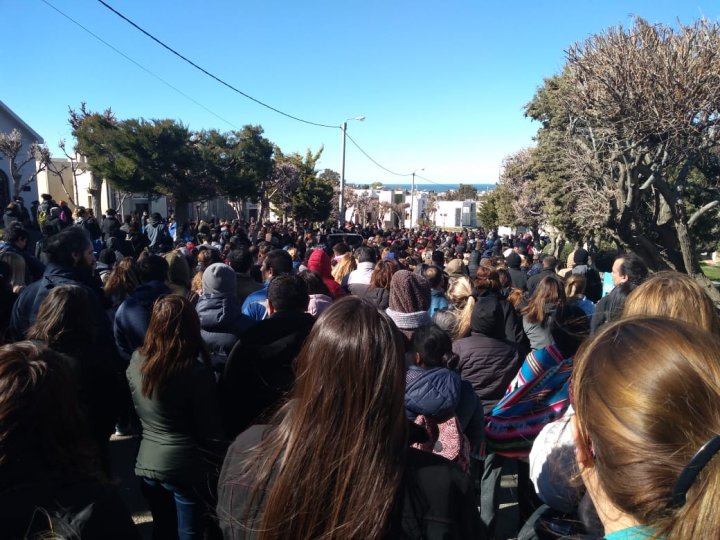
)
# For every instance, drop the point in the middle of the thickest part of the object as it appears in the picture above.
(629, 139)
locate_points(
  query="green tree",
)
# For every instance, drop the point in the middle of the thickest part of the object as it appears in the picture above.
(313, 199)
(464, 192)
(495, 209)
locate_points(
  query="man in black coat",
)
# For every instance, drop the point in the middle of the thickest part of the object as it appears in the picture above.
(549, 264)
(260, 371)
(71, 261)
(517, 275)
(16, 240)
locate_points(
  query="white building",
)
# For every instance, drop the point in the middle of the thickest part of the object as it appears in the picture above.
(9, 121)
(451, 214)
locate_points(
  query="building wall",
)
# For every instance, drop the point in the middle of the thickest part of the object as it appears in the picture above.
(7, 123)
(456, 214)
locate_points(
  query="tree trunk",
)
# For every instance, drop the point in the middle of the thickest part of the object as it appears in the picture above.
(558, 244)
(690, 259)
(95, 189)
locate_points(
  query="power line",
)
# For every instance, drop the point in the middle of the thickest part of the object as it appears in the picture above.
(206, 72)
(146, 70)
(371, 159)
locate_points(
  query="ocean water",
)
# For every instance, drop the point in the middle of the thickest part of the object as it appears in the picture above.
(437, 187)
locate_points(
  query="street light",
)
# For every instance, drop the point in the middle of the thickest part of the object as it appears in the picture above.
(341, 209)
(412, 196)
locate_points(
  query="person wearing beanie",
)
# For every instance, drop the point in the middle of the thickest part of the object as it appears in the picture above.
(517, 275)
(410, 296)
(221, 320)
(105, 263)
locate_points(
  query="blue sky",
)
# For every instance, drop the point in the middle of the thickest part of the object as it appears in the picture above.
(442, 85)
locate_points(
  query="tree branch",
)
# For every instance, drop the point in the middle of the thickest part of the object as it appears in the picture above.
(700, 211)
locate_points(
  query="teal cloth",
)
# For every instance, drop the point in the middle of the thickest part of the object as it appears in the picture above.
(631, 533)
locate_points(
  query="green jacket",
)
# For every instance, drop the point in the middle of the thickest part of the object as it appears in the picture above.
(182, 440)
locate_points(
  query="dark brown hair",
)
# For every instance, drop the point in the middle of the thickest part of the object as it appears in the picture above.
(39, 412)
(123, 280)
(62, 320)
(172, 342)
(382, 274)
(338, 451)
(548, 293)
(487, 278)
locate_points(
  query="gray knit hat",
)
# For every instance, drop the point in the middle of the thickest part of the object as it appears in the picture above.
(409, 300)
(219, 278)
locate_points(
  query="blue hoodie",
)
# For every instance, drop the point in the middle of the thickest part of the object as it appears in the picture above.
(133, 317)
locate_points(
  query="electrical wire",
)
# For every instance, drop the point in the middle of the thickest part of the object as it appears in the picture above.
(146, 70)
(212, 76)
(371, 159)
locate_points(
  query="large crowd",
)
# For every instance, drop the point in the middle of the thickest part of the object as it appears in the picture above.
(291, 382)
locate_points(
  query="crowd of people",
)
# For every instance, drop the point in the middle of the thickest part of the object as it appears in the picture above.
(291, 382)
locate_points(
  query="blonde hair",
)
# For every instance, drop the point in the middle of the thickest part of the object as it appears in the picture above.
(646, 393)
(16, 262)
(346, 264)
(460, 295)
(674, 295)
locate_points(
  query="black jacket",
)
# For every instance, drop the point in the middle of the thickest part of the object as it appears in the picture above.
(28, 303)
(36, 503)
(111, 227)
(489, 364)
(519, 278)
(259, 371)
(436, 499)
(533, 281)
(608, 308)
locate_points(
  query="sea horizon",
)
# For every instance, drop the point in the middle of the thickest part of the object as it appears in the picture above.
(434, 187)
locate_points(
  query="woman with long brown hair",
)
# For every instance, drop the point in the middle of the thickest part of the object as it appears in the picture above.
(335, 463)
(175, 396)
(548, 295)
(379, 291)
(51, 482)
(647, 428)
(62, 325)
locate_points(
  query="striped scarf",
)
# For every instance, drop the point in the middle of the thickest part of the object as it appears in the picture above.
(538, 395)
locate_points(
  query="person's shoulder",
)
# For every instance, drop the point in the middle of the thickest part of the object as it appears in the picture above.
(256, 296)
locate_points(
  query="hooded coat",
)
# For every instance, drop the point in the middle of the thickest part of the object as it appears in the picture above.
(133, 317)
(487, 360)
(319, 262)
(221, 323)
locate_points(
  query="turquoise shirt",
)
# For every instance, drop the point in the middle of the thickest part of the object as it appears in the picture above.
(631, 533)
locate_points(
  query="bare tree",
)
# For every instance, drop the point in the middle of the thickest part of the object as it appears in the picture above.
(644, 111)
(519, 176)
(11, 145)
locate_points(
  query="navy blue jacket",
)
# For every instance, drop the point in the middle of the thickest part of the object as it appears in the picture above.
(133, 317)
(221, 322)
(439, 393)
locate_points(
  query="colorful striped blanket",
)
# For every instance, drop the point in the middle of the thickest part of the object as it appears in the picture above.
(539, 394)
